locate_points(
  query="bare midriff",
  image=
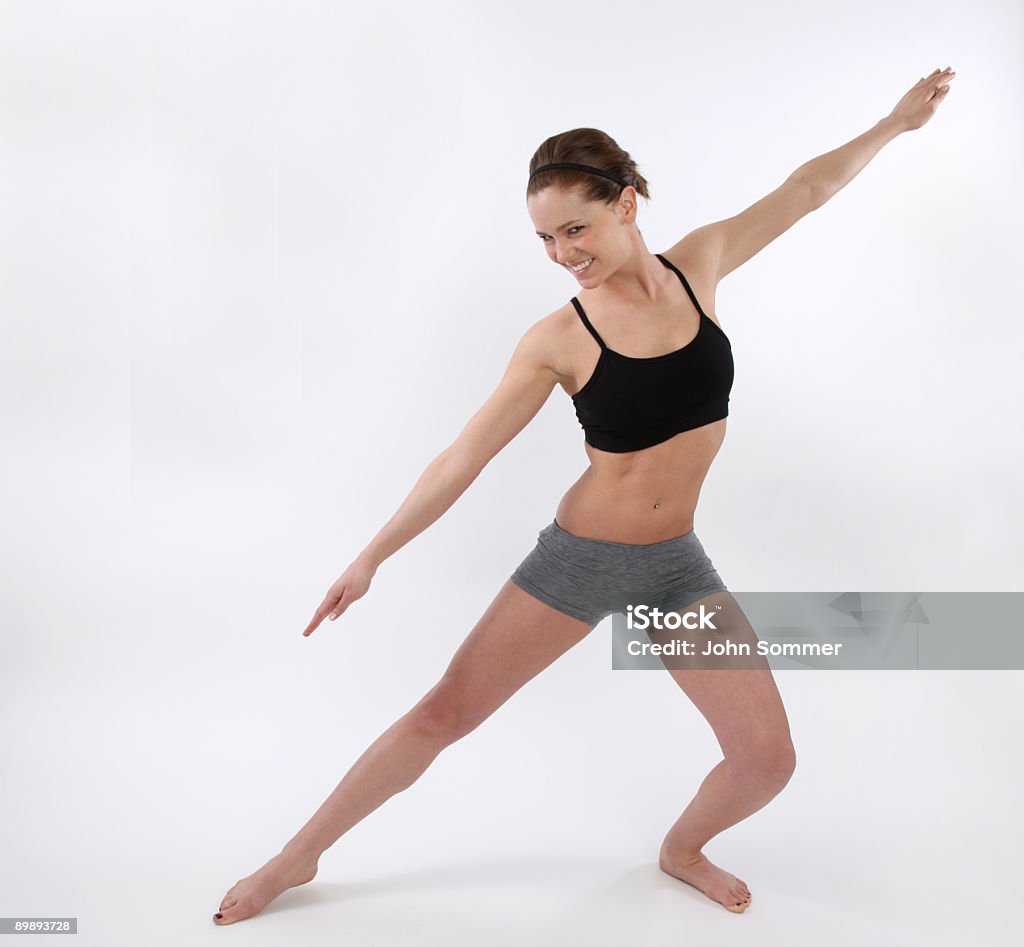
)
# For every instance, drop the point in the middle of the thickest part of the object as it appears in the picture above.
(644, 496)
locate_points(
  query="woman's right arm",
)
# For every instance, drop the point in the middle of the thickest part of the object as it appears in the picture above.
(525, 386)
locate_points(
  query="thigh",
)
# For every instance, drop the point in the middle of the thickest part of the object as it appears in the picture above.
(515, 639)
(743, 706)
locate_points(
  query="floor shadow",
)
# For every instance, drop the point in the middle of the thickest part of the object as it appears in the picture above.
(492, 873)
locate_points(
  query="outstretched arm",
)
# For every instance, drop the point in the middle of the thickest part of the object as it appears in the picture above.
(523, 389)
(831, 172)
(724, 245)
(525, 386)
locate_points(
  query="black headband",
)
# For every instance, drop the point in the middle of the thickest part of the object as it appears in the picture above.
(581, 167)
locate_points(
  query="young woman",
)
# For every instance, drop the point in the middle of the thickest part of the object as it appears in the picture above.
(649, 369)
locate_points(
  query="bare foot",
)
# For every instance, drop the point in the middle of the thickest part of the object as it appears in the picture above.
(253, 893)
(728, 890)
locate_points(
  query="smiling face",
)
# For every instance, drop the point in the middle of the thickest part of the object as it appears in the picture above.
(575, 231)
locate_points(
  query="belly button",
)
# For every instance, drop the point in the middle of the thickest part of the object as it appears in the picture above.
(657, 504)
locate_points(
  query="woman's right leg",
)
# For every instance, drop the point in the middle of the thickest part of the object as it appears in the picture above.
(514, 640)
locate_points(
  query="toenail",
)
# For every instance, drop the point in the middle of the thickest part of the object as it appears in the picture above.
(218, 916)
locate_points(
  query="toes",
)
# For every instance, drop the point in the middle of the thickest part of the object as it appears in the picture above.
(229, 898)
(236, 911)
(738, 904)
(734, 900)
(227, 916)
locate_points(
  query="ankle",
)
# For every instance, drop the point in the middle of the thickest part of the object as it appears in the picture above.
(676, 854)
(297, 852)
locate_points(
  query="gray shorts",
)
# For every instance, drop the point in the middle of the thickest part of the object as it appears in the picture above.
(590, 579)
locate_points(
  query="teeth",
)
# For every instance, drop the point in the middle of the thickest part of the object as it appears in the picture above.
(582, 266)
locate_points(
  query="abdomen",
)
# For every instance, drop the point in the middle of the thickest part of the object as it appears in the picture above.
(644, 496)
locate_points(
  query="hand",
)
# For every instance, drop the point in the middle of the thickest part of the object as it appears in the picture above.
(920, 103)
(352, 584)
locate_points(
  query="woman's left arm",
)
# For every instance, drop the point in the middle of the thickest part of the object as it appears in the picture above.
(722, 246)
(831, 172)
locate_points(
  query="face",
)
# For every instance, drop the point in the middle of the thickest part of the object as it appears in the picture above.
(575, 230)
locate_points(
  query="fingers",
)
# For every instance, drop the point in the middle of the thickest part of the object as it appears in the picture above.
(318, 616)
(938, 74)
(339, 606)
(331, 607)
(943, 88)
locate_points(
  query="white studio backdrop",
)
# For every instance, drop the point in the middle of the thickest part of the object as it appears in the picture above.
(262, 262)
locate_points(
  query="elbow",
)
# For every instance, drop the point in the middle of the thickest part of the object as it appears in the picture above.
(460, 464)
(815, 192)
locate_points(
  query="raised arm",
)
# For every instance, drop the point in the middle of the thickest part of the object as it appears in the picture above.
(522, 391)
(724, 245)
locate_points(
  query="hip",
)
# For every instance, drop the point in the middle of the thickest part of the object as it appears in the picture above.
(590, 579)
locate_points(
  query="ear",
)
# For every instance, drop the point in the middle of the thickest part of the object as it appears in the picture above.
(627, 205)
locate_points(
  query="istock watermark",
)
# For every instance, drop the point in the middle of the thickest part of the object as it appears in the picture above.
(825, 631)
(643, 617)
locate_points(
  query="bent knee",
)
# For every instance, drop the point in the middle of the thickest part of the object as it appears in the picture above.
(773, 763)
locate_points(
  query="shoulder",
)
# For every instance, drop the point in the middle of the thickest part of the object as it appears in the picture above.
(548, 341)
(695, 256)
(724, 245)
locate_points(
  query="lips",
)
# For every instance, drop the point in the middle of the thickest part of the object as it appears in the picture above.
(573, 266)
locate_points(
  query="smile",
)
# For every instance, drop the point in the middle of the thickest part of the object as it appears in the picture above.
(580, 267)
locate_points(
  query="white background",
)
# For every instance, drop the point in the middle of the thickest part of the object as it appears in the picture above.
(262, 261)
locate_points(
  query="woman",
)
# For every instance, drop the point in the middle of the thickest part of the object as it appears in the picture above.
(649, 369)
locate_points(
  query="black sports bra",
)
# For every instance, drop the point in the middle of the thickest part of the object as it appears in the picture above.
(631, 403)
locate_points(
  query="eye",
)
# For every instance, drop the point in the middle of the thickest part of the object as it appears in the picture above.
(570, 230)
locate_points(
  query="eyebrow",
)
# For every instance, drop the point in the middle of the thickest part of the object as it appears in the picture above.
(573, 221)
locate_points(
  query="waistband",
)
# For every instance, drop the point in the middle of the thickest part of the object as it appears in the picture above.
(554, 529)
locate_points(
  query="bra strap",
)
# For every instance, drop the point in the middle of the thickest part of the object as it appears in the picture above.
(679, 273)
(586, 322)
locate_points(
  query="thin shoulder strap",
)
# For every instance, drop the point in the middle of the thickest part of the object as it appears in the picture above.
(586, 322)
(679, 273)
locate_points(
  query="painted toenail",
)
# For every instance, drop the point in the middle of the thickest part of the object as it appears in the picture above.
(218, 916)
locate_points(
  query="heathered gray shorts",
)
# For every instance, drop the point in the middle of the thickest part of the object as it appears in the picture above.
(590, 579)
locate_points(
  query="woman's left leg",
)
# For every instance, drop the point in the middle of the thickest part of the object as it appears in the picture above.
(746, 713)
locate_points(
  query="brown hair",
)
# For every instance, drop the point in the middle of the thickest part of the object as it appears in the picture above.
(585, 146)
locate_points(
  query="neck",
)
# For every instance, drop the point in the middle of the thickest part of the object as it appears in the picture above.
(640, 281)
